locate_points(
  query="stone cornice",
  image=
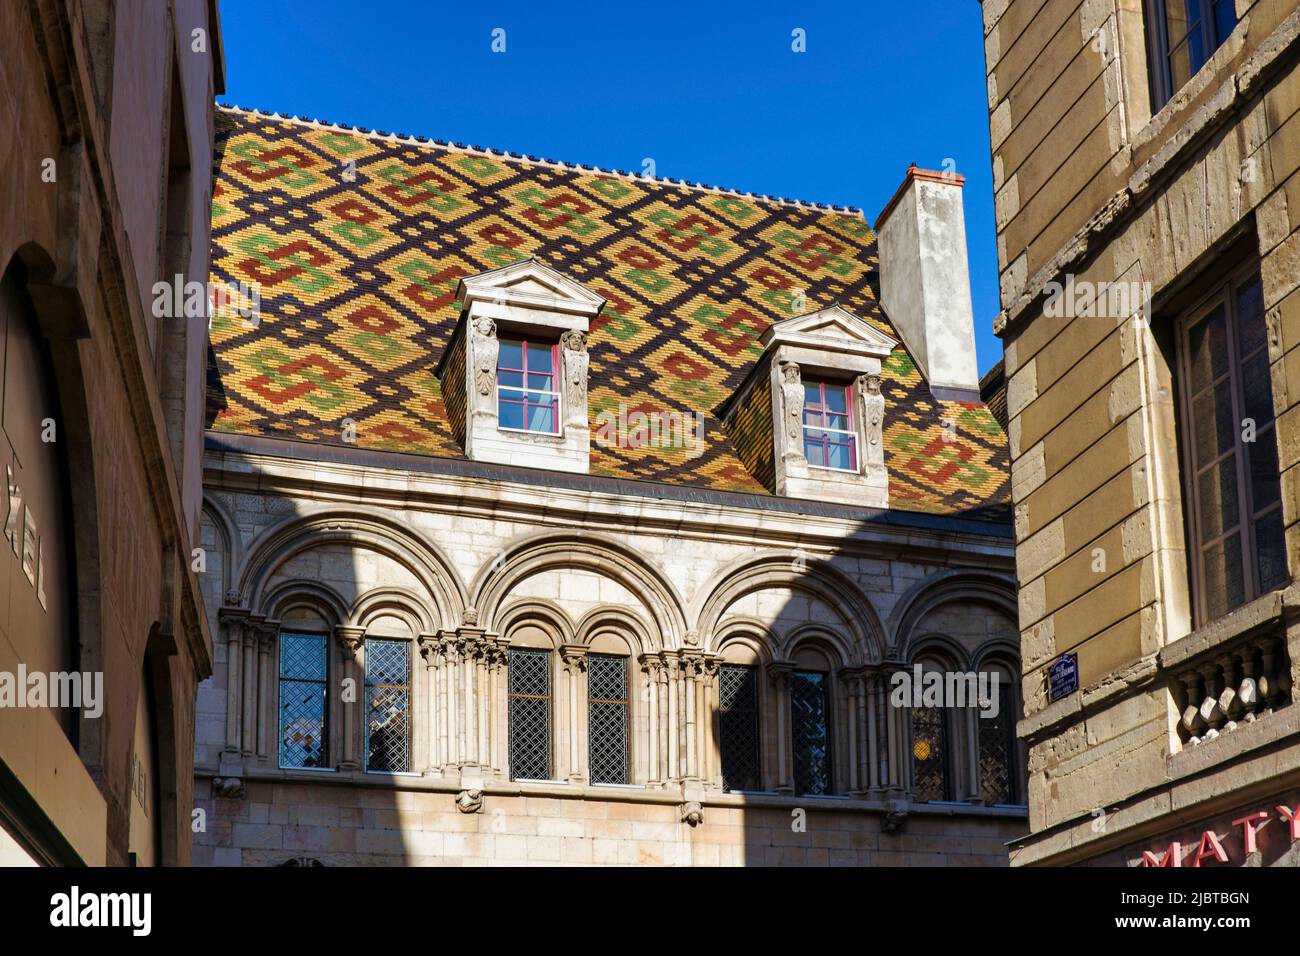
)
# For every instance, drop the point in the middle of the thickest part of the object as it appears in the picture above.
(355, 477)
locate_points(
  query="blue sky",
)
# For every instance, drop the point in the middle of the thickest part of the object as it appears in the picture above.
(711, 91)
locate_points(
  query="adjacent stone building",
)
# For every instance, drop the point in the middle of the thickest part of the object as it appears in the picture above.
(561, 515)
(1145, 165)
(105, 138)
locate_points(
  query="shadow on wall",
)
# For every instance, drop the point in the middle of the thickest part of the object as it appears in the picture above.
(418, 687)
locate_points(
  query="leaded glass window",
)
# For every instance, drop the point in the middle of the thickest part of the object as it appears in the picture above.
(388, 705)
(929, 754)
(530, 714)
(738, 726)
(304, 668)
(997, 742)
(810, 730)
(607, 718)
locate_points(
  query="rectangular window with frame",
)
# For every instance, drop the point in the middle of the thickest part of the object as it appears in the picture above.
(530, 714)
(388, 705)
(738, 738)
(528, 396)
(1231, 484)
(829, 436)
(303, 676)
(810, 732)
(1182, 35)
(607, 718)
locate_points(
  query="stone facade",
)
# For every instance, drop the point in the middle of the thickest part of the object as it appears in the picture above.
(105, 145)
(1094, 187)
(466, 560)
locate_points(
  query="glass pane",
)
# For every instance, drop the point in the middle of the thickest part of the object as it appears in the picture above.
(929, 735)
(511, 355)
(510, 412)
(607, 721)
(1218, 494)
(1207, 349)
(810, 733)
(840, 421)
(530, 714)
(541, 380)
(815, 446)
(1257, 390)
(812, 394)
(1251, 329)
(996, 752)
(1225, 586)
(1261, 460)
(1270, 551)
(303, 668)
(509, 379)
(1213, 422)
(835, 399)
(388, 706)
(540, 358)
(541, 413)
(840, 454)
(738, 726)
(1225, 20)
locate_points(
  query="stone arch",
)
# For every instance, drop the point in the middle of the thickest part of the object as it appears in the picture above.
(747, 632)
(975, 585)
(817, 579)
(375, 532)
(545, 615)
(606, 618)
(228, 534)
(396, 602)
(549, 551)
(822, 639)
(314, 595)
(934, 645)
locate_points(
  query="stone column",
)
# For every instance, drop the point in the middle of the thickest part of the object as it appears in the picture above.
(266, 635)
(248, 685)
(350, 642)
(778, 673)
(574, 660)
(429, 651)
(710, 729)
(650, 666)
(875, 752)
(851, 679)
(235, 620)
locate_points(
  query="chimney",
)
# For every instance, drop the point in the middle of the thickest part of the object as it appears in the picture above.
(925, 282)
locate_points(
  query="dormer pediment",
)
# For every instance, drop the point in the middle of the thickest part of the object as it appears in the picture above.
(834, 329)
(527, 290)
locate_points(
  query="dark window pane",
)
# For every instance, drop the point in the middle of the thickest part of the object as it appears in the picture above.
(1225, 20)
(1218, 493)
(1251, 328)
(511, 355)
(388, 706)
(929, 746)
(1214, 423)
(530, 714)
(1225, 586)
(738, 726)
(1207, 350)
(511, 380)
(303, 669)
(809, 720)
(1257, 390)
(1270, 550)
(997, 737)
(607, 718)
(1261, 458)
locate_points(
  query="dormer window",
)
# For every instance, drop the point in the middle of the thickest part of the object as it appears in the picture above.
(829, 436)
(528, 399)
(520, 345)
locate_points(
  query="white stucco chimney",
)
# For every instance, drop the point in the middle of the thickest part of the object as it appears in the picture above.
(925, 279)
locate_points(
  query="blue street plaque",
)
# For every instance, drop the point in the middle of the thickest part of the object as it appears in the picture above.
(1063, 677)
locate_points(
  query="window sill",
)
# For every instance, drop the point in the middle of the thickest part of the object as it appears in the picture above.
(529, 431)
(1260, 613)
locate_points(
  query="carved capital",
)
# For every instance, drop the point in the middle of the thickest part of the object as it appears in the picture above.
(574, 657)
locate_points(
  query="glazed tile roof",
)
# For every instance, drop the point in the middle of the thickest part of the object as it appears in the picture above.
(357, 241)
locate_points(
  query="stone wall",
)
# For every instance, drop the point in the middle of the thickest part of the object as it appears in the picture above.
(1091, 188)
